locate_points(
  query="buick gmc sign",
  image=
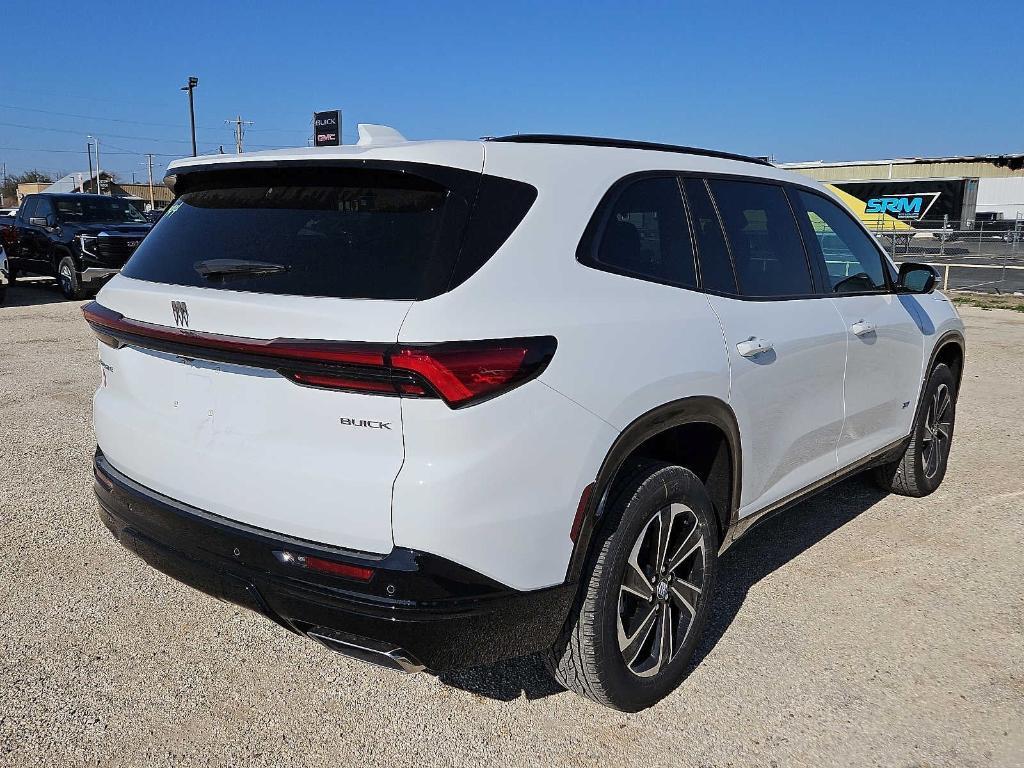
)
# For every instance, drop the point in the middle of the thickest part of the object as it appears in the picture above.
(327, 128)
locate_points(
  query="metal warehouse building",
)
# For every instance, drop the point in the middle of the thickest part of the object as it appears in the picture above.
(1000, 177)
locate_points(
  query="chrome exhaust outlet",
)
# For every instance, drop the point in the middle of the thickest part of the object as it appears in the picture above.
(363, 648)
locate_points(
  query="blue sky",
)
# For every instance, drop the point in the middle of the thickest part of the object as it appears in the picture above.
(797, 80)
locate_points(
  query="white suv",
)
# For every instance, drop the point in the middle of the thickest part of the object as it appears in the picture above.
(436, 404)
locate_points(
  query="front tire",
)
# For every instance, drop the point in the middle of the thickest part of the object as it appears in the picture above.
(70, 283)
(645, 593)
(923, 465)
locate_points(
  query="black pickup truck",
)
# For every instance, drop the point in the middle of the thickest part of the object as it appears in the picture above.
(80, 239)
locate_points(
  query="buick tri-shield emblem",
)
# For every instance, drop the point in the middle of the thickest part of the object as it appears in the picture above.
(180, 312)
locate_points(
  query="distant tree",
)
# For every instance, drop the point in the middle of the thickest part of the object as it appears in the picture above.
(9, 192)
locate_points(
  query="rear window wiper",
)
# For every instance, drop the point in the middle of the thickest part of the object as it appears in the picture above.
(237, 267)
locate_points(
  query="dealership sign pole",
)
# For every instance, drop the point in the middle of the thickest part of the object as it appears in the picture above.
(327, 128)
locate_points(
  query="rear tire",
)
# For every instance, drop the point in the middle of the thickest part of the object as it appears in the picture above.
(923, 465)
(70, 283)
(645, 592)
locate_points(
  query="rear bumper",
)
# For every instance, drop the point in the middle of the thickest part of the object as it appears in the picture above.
(417, 611)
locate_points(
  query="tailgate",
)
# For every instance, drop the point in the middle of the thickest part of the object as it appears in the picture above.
(245, 442)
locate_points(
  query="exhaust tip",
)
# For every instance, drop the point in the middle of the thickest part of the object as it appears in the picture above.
(365, 649)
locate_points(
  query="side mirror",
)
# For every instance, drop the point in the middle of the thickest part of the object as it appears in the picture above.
(916, 278)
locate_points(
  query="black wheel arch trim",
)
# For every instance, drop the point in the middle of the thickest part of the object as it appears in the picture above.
(701, 409)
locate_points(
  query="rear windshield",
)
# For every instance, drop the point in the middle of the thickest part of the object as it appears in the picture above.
(408, 232)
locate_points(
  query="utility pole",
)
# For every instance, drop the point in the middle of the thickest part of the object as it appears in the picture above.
(88, 152)
(190, 86)
(99, 190)
(239, 131)
(152, 202)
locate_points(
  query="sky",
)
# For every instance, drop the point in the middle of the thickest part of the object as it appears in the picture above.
(796, 81)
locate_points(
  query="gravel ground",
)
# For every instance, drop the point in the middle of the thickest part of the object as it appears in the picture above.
(857, 629)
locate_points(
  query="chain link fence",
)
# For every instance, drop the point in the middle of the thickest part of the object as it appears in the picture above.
(987, 257)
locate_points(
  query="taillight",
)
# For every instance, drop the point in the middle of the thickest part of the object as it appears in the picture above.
(460, 373)
(464, 373)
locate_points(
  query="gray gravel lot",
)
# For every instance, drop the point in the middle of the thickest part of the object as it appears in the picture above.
(858, 629)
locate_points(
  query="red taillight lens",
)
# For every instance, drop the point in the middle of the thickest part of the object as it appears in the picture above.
(461, 373)
(467, 373)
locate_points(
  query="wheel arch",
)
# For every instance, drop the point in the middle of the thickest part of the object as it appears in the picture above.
(950, 350)
(57, 254)
(700, 433)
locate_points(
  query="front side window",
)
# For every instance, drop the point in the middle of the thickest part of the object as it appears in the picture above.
(43, 208)
(645, 234)
(763, 237)
(852, 262)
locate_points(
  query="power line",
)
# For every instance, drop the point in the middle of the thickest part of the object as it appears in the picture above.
(137, 122)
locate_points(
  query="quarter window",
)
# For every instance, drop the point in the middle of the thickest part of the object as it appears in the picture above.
(645, 234)
(712, 252)
(852, 261)
(763, 237)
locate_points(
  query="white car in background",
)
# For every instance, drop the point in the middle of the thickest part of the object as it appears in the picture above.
(5, 275)
(437, 404)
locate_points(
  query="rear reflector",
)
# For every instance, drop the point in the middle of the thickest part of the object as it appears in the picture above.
(460, 373)
(581, 513)
(333, 567)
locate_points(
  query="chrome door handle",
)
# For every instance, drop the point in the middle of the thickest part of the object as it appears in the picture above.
(862, 328)
(753, 347)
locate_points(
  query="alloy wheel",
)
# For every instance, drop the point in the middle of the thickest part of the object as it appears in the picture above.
(938, 430)
(66, 279)
(661, 586)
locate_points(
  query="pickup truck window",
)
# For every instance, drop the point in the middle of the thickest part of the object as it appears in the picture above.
(92, 209)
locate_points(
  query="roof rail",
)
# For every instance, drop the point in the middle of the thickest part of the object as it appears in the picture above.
(598, 141)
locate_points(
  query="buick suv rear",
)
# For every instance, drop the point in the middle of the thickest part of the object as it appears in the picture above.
(437, 404)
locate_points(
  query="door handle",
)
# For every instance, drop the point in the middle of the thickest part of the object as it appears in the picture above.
(753, 347)
(862, 328)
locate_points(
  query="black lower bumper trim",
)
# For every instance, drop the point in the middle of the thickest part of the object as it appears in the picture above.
(418, 610)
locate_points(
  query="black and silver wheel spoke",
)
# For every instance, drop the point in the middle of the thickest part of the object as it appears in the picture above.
(634, 642)
(634, 580)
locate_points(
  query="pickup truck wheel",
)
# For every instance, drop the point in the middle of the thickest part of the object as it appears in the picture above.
(67, 276)
(923, 465)
(645, 594)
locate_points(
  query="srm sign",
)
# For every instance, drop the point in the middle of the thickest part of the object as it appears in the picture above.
(327, 128)
(902, 206)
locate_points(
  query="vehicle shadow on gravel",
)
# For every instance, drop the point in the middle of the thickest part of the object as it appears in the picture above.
(32, 292)
(761, 552)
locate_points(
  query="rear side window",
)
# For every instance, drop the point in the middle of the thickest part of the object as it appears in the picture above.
(766, 247)
(343, 232)
(644, 234)
(851, 260)
(712, 253)
(28, 208)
